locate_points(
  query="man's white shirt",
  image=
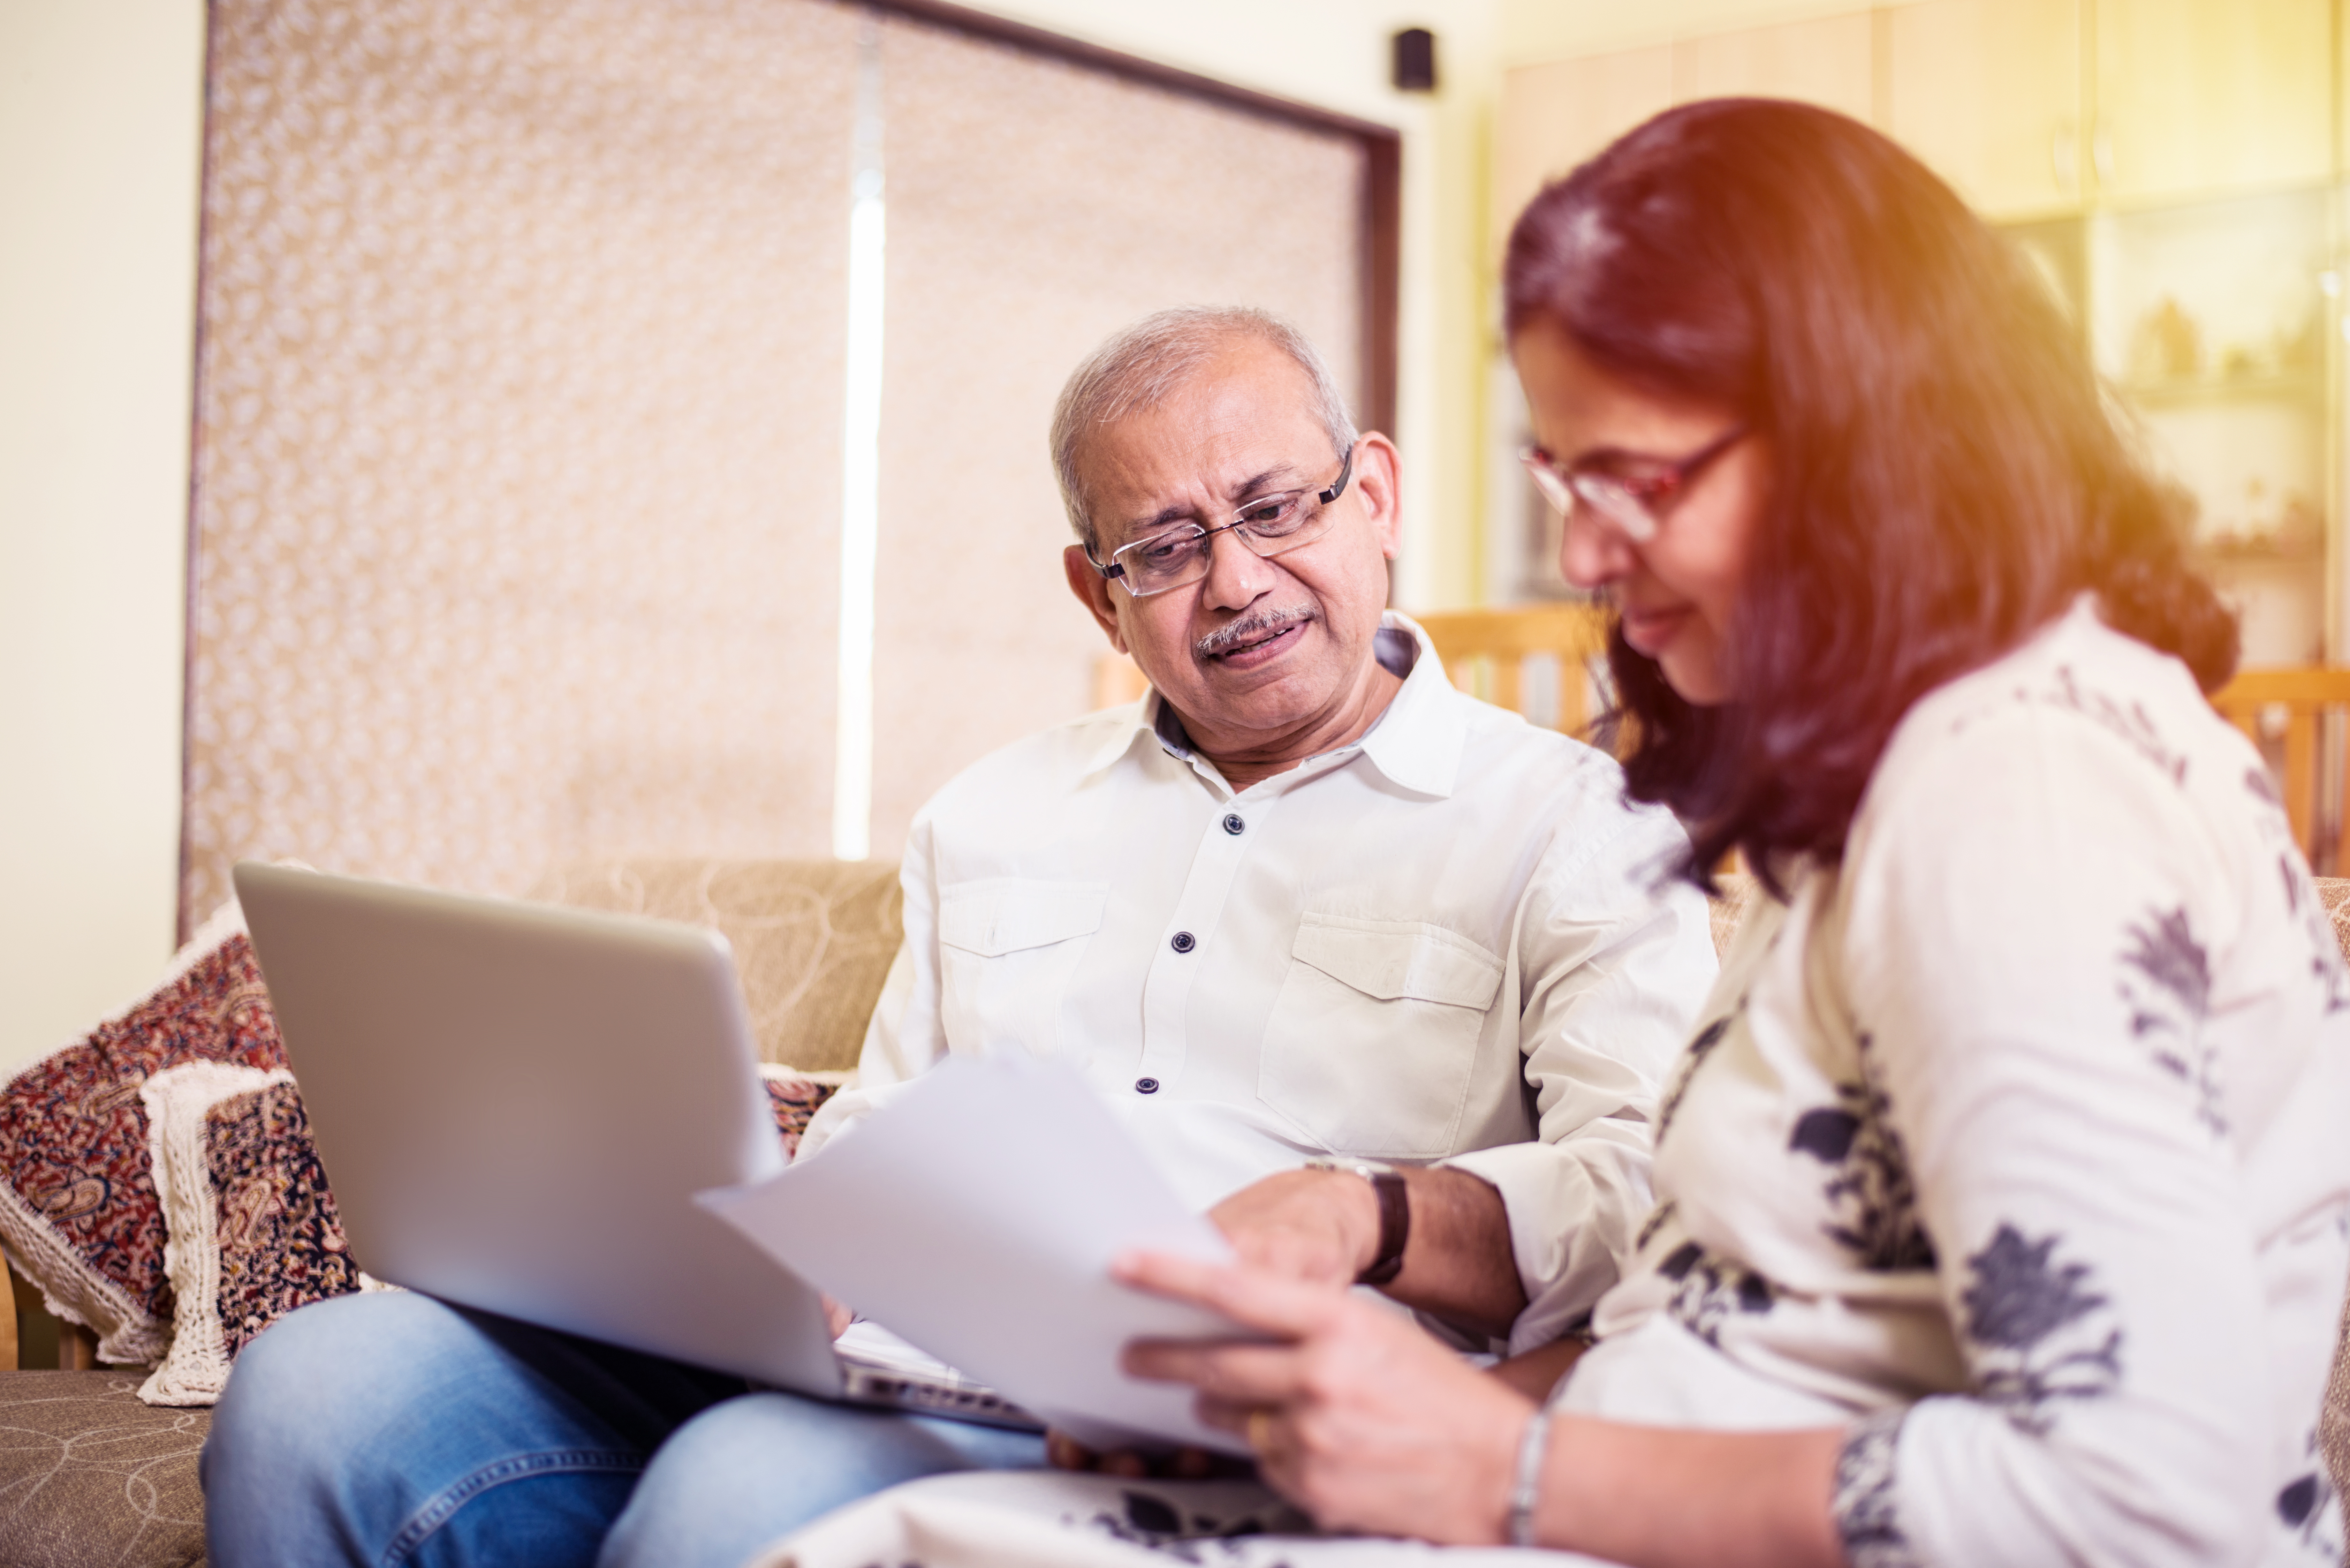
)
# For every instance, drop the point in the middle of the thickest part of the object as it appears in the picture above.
(1449, 941)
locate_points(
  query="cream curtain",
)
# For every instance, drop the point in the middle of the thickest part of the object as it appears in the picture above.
(1036, 205)
(520, 420)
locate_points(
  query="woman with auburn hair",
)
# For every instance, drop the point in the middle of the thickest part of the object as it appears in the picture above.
(2003, 1198)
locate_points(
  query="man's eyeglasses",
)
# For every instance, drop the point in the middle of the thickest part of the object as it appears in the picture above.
(1635, 502)
(1268, 526)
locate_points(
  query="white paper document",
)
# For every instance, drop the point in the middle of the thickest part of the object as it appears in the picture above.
(976, 1215)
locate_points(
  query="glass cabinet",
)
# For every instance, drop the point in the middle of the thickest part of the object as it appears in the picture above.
(2171, 166)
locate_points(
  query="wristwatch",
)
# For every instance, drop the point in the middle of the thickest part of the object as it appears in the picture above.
(1394, 1213)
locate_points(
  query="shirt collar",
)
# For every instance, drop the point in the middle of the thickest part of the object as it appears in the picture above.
(1416, 742)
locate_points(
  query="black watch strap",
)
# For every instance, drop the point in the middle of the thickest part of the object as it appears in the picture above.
(1395, 1228)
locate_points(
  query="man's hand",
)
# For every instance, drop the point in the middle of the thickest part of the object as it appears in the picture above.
(1318, 1225)
(837, 1317)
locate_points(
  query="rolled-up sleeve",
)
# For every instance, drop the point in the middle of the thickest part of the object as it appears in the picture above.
(1613, 964)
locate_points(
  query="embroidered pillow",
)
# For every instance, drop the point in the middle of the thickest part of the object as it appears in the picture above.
(77, 1205)
(254, 1229)
(796, 1096)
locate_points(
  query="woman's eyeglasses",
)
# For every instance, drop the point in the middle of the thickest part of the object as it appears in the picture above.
(1634, 502)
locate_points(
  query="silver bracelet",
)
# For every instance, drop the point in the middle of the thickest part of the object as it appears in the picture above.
(1531, 1445)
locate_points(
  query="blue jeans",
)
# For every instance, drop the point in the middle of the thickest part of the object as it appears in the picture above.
(396, 1430)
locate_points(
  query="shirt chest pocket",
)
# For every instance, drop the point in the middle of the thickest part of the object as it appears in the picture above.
(1373, 1038)
(1008, 947)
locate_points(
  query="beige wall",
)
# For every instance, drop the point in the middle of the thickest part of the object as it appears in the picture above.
(1533, 31)
(100, 105)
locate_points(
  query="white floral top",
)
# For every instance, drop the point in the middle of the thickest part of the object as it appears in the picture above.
(2022, 1136)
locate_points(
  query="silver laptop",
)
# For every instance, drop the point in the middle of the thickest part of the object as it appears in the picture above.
(515, 1104)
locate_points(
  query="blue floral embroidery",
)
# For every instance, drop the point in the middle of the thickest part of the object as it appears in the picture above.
(2130, 723)
(1658, 1217)
(1872, 1202)
(1691, 1060)
(1866, 1502)
(2035, 1327)
(1157, 1522)
(1710, 1289)
(2325, 964)
(2169, 996)
(2304, 1506)
(2168, 955)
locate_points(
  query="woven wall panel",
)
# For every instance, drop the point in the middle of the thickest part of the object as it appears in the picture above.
(1034, 207)
(519, 433)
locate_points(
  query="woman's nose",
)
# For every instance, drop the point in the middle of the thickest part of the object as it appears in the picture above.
(1590, 553)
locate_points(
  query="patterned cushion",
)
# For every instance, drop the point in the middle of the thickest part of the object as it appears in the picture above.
(796, 1099)
(77, 1204)
(88, 1476)
(254, 1229)
(812, 939)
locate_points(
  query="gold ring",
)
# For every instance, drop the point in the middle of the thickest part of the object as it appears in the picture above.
(1260, 1430)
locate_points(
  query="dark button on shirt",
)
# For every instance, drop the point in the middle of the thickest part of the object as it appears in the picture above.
(1183, 941)
(1235, 823)
(1146, 1085)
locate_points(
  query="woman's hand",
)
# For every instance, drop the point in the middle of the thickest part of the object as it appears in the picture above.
(1356, 1414)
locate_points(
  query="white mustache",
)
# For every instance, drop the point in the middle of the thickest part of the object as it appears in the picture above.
(1250, 628)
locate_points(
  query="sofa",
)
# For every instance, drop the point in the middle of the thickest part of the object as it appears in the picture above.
(90, 1475)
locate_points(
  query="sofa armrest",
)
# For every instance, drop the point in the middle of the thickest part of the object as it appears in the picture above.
(33, 1339)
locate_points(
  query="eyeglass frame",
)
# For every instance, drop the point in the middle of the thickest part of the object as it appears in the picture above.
(1114, 570)
(1630, 504)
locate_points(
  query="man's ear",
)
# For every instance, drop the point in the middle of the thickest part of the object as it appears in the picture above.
(1378, 472)
(1093, 591)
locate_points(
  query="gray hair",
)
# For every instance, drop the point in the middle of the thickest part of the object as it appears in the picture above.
(1147, 363)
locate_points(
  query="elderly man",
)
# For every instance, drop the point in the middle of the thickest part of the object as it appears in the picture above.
(1302, 911)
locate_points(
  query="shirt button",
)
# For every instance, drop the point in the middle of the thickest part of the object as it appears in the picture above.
(1146, 1085)
(1234, 824)
(1183, 941)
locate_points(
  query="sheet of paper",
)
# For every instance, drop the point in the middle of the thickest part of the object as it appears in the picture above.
(976, 1215)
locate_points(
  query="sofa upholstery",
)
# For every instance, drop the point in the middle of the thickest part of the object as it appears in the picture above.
(90, 1476)
(812, 939)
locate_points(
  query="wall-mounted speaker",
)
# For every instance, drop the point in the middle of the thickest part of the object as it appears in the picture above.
(1415, 60)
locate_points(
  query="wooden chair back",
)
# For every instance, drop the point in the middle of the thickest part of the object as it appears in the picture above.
(2283, 711)
(1487, 652)
(1118, 681)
